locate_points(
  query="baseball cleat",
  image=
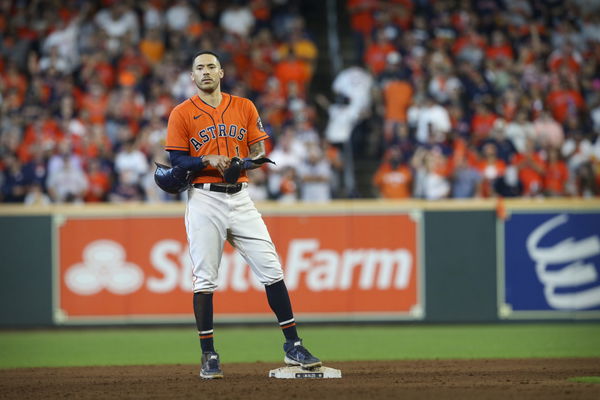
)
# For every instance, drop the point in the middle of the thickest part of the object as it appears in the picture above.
(296, 354)
(211, 366)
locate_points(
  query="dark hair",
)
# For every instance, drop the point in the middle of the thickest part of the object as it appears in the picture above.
(206, 52)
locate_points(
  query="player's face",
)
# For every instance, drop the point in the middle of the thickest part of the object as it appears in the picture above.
(207, 73)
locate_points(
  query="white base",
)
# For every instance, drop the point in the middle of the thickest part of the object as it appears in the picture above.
(295, 372)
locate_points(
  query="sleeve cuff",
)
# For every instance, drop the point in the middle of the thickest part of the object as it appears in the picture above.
(259, 139)
(179, 148)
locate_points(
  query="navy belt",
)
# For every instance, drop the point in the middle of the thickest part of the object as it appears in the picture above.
(213, 187)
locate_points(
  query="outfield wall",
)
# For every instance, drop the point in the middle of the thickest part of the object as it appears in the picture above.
(468, 261)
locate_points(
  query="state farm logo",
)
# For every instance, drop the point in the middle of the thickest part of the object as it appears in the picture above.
(104, 266)
(325, 269)
(570, 280)
(168, 268)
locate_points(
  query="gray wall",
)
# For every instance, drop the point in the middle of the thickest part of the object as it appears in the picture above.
(460, 266)
(26, 270)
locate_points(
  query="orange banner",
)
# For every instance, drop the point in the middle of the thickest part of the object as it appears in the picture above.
(343, 265)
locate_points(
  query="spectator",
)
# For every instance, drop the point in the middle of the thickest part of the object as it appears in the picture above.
(356, 84)
(152, 46)
(377, 52)
(36, 170)
(362, 21)
(95, 103)
(14, 184)
(126, 188)
(62, 44)
(579, 152)
(292, 70)
(286, 157)
(36, 196)
(548, 132)
(504, 146)
(99, 183)
(556, 175)
(63, 154)
(300, 43)
(178, 16)
(466, 180)
(431, 121)
(563, 101)
(287, 190)
(151, 192)
(314, 175)
(393, 178)
(67, 184)
(394, 94)
(531, 169)
(237, 19)
(443, 86)
(469, 47)
(430, 182)
(54, 62)
(482, 123)
(153, 17)
(120, 24)
(259, 71)
(210, 14)
(130, 162)
(499, 48)
(492, 170)
(565, 56)
(520, 130)
(257, 186)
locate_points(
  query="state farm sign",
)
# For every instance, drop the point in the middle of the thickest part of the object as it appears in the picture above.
(334, 265)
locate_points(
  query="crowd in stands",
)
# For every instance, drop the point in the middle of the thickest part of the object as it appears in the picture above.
(86, 88)
(463, 98)
(483, 98)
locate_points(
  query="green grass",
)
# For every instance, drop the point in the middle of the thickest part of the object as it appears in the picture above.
(78, 347)
(585, 379)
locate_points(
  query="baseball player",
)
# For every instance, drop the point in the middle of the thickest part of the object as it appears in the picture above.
(207, 134)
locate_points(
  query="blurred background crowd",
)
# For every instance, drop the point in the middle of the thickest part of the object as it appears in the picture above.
(436, 99)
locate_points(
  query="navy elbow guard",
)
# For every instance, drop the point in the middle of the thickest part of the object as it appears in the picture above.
(172, 180)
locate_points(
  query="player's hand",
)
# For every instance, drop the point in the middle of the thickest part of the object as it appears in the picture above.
(221, 163)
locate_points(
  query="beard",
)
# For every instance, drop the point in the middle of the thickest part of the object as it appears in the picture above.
(208, 87)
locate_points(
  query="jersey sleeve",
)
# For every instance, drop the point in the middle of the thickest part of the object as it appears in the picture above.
(256, 132)
(177, 136)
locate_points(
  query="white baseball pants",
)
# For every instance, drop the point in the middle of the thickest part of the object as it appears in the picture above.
(213, 217)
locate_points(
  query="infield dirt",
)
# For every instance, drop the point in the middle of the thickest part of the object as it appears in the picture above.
(432, 379)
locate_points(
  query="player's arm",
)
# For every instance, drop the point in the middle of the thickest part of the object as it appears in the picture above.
(257, 151)
(196, 164)
(255, 159)
(183, 160)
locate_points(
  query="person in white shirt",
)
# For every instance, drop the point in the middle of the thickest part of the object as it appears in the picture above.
(118, 22)
(431, 120)
(131, 162)
(178, 16)
(68, 184)
(237, 19)
(285, 156)
(315, 175)
(520, 130)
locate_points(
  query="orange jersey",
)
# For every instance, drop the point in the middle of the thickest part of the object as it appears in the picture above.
(229, 129)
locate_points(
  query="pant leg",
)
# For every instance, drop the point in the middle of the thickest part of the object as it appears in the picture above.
(206, 227)
(249, 235)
